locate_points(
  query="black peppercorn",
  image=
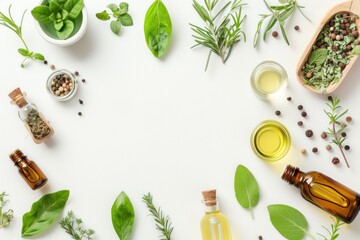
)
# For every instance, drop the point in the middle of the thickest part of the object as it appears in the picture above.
(335, 160)
(277, 113)
(297, 28)
(300, 107)
(323, 135)
(343, 134)
(81, 101)
(348, 119)
(80, 113)
(315, 150)
(347, 147)
(275, 34)
(289, 99)
(300, 123)
(45, 62)
(83, 80)
(76, 73)
(309, 133)
(303, 114)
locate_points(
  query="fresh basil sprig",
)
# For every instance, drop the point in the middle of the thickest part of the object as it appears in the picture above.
(123, 216)
(43, 213)
(158, 28)
(119, 13)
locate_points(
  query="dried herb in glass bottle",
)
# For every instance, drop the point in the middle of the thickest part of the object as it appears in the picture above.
(324, 192)
(28, 169)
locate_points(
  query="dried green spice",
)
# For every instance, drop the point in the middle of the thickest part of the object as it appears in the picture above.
(39, 128)
(5, 216)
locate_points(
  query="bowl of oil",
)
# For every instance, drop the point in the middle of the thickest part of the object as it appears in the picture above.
(268, 79)
(270, 140)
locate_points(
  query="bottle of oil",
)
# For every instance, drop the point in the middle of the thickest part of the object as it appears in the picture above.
(28, 169)
(214, 224)
(324, 192)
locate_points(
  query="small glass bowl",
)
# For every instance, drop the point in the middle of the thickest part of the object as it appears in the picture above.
(268, 66)
(70, 94)
(270, 140)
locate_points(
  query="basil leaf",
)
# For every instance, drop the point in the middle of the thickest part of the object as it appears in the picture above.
(113, 7)
(66, 30)
(318, 56)
(288, 221)
(43, 213)
(115, 26)
(74, 7)
(39, 56)
(58, 25)
(103, 15)
(126, 20)
(158, 28)
(246, 188)
(52, 17)
(123, 216)
(54, 6)
(23, 52)
(41, 14)
(356, 50)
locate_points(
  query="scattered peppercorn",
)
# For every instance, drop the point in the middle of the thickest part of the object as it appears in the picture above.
(347, 147)
(300, 123)
(309, 75)
(323, 135)
(343, 134)
(289, 99)
(275, 34)
(328, 147)
(342, 65)
(277, 113)
(309, 133)
(304, 114)
(315, 150)
(45, 62)
(81, 101)
(303, 151)
(83, 80)
(52, 67)
(335, 160)
(297, 28)
(349, 119)
(76, 73)
(80, 113)
(62, 84)
(260, 238)
(300, 107)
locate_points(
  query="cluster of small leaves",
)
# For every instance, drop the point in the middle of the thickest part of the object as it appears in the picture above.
(5, 216)
(334, 232)
(119, 13)
(336, 126)
(72, 226)
(278, 14)
(334, 54)
(163, 224)
(220, 37)
(9, 22)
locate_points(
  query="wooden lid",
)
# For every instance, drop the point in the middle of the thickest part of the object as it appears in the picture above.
(209, 197)
(18, 97)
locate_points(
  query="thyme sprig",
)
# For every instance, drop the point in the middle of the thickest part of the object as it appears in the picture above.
(72, 226)
(5, 216)
(278, 14)
(335, 228)
(336, 127)
(9, 22)
(163, 224)
(219, 37)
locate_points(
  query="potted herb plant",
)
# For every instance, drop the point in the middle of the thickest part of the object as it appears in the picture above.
(61, 22)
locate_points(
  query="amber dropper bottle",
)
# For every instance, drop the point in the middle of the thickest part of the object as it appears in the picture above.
(28, 169)
(324, 192)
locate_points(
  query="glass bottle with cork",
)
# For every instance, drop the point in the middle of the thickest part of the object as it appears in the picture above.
(324, 192)
(34, 121)
(28, 170)
(214, 224)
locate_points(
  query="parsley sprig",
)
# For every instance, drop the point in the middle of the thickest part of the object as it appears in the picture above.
(5, 216)
(72, 226)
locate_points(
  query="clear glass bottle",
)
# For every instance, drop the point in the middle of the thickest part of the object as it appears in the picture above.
(28, 169)
(34, 121)
(214, 225)
(324, 192)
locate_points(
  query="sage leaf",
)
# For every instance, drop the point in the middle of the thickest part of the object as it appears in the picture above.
(123, 216)
(104, 16)
(74, 7)
(115, 26)
(318, 56)
(41, 14)
(158, 29)
(126, 20)
(246, 188)
(23, 52)
(288, 221)
(43, 213)
(113, 7)
(66, 30)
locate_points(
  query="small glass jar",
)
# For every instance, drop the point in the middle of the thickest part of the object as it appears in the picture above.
(270, 140)
(62, 85)
(268, 78)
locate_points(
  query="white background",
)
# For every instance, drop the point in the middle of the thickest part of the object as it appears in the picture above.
(166, 126)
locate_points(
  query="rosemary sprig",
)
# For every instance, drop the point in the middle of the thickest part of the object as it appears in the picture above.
(163, 224)
(220, 37)
(9, 22)
(334, 232)
(6, 216)
(72, 226)
(336, 127)
(278, 14)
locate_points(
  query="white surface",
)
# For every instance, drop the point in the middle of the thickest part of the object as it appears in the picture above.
(165, 126)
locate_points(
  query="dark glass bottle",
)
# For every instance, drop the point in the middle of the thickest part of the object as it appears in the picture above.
(324, 192)
(28, 169)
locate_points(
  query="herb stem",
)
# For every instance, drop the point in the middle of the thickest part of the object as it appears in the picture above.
(340, 146)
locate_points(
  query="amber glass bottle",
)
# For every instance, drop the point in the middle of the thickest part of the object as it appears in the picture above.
(30, 172)
(324, 192)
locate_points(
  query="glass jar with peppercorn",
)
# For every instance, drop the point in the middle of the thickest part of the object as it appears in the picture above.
(62, 85)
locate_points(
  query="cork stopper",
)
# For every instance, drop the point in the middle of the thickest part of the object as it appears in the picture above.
(18, 97)
(17, 156)
(209, 197)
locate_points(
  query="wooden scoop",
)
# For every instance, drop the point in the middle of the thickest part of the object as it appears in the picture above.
(348, 6)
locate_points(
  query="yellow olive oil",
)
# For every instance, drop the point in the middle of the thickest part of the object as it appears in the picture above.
(269, 81)
(215, 226)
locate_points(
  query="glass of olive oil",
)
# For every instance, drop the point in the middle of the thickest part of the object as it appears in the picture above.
(268, 78)
(270, 140)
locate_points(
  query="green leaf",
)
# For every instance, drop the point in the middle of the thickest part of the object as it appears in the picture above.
(39, 56)
(66, 30)
(41, 14)
(43, 213)
(104, 16)
(74, 7)
(123, 216)
(113, 7)
(158, 29)
(356, 50)
(115, 26)
(58, 25)
(246, 188)
(126, 20)
(52, 17)
(288, 221)
(64, 14)
(318, 56)
(124, 8)
(54, 6)
(23, 52)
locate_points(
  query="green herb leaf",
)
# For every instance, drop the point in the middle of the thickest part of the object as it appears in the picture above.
(58, 25)
(115, 26)
(123, 216)
(74, 7)
(43, 213)
(73, 226)
(356, 50)
(104, 16)
(66, 30)
(318, 57)
(39, 56)
(113, 7)
(246, 188)
(41, 14)
(126, 20)
(124, 8)
(23, 52)
(288, 221)
(158, 29)
(54, 6)
(5, 216)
